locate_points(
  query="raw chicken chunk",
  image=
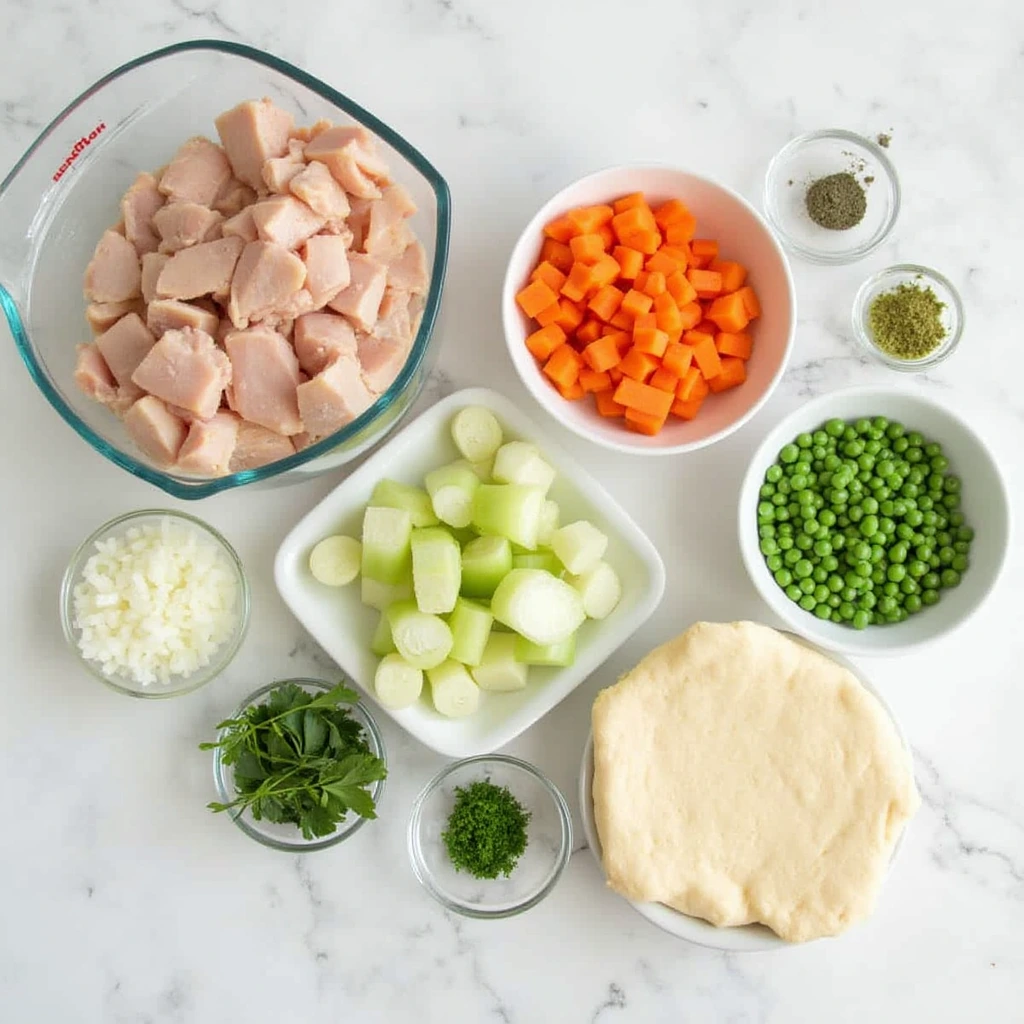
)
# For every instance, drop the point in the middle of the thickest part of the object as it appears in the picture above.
(316, 187)
(349, 153)
(334, 397)
(361, 299)
(409, 271)
(198, 172)
(209, 445)
(183, 224)
(172, 314)
(251, 134)
(152, 264)
(234, 197)
(124, 346)
(138, 205)
(155, 429)
(285, 221)
(113, 273)
(358, 221)
(103, 315)
(327, 270)
(256, 446)
(388, 234)
(186, 368)
(203, 269)
(266, 277)
(264, 375)
(278, 171)
(321, 338)
(93, 375)
(241, 226)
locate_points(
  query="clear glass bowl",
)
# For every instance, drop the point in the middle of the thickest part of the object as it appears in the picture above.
(288, 837)
(816, 155)
(65, 191)
(178, 685)
(549, 839)
(952, 315)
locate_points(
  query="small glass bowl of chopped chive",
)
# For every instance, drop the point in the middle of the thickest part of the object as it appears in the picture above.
(155, 603)
(831, 196)
(490, 836)
(908, 317)
(300, 765)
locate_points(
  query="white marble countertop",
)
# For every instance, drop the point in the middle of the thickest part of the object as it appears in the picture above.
(124, 900)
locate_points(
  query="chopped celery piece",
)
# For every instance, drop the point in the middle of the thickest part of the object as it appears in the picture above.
(580, 546)
(498, 669)
(519, 462)
(382, 643)
(453, 690)
(509, 510)
(470, 624)
(549, 516)
(483, 469)
(476, 433)
(560, 655)
(486, 561)
(423, 640)
(436, 569)
(545, 560)
(451, 490)
(335, 560)
(537, 605)
(397, 683)
(387, 533)
(415, 501)
(600, 589)
(381, 595)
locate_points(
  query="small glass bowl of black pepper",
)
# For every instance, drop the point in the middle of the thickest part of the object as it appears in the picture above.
(542, 812)
(908, 317)
(831, 196)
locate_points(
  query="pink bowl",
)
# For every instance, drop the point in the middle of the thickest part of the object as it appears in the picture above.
(744, 236)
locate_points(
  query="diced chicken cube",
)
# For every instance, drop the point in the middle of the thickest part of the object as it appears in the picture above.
(266, 277)
(305, 134)
(93, 376)
(251, 134)
(278, 171)
(409, 271)
(256, 446)
(264, 376)
(334, 397)
(285, 221)
(204, 269)
(360, 301)
(241, 226)
(321, 338)
(124, 346)
(103, 315)
(173, 314)
(152, 264)
(198, 172)
(349, 153)
(234, 197)
(186, 368)
(327, 270)
(296, 305)
(181, 225)
(155, 429)
(113, 273)
(388, 234)
(138, 206)
(209, 445)
(303, 440)
(315, 186)
(382, 359)
(358, 221)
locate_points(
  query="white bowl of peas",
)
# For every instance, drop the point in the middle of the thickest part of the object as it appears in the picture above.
(873, 520)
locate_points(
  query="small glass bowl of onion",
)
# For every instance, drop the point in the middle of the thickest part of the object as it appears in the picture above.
(155, 603)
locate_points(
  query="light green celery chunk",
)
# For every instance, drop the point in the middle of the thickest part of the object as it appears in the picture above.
(476, 433)
(381, 595)
(397, 683)
(545, 560)
(498, 669)
(560, 654)
(600, 589)
(470, 624)
(451, 490)
(519, 462)
(580, 546)
(387, 533)
(453, 690)
(483, 469)
(423, 640)
(509, 510)
(335, 560)
(382, 643)
(436, 569)
(549, 517)
(415, 501)
(486, 561)
(538, 605)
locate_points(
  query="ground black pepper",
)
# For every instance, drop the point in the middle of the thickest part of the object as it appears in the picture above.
(836, 202)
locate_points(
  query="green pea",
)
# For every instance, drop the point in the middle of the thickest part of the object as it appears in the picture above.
(807, 585)
(909, 490)
(839, 496)
(766, 510)
(913, 455)
(803, 542)
(804, 440)
(900, 445)
(946, 555)
(839, 539)
(793, 592)
(819, 575)
(887, 605)
(951, 485)
(909, 585)
(912, 603)
(807, 602)
(832, 462)
(822, 547)
(799, 481)
(930, 596)
(925, 503)
(915, 438)
(785, 540)
(835, 584)
(914, 517)
(869, 526)
(789, 453)
(931, 581)
(915, 476)
(774, 562)
(898, 552)
(935, 562)
(849, 593)
(773, 474)
(918, 569)
(769, 546)
(783, 577)
(778, 499)
(870, 506)
(944, 539)
(904, 532)
(791, 556)
(846, 610)
(830, 563)
(821, 593)
(950, 577)
(835, 428)
(874, 446)
(878, 576)
(956, 519)
(932, 449)
(951, 501)
(867, 460)
(887, 526)
(856, 513)
(887, 508)
(861, 619)
(961, 547)
(803, 568)
(781, 513)
(862, 426)
(834, 601)
(783, 487)
(895, 573)
(853, 448)
(866, 600)
(822, 611)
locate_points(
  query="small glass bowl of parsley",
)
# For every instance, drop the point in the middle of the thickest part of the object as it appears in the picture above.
(490, 836)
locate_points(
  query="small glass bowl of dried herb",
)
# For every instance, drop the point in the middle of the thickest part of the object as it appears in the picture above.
(909, 317)
(831, 196)
(490, 836)
(300, 765)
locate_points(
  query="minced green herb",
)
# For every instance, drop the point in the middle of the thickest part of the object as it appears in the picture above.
(486, 833)
(906, 322)
(836, 202)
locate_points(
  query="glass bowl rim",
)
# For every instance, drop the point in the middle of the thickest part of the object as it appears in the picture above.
(376, 739)
(945, 348)
(74, 567)
(425, 876)
(855, 253)
(201, 488)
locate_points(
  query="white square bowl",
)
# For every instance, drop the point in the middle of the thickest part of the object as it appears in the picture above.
(343, 626)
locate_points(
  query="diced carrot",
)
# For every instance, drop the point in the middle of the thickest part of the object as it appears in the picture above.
(687, 410)
(628, 202)
(729, 312)
(623, 321)
(680, 288)
(535, 297)
(602, 354)
(644, 422)
(733, 274)
(608, 329)
(682, 232)
(692, 386)
(592, 380)
(616, 374)
(543, 342)
(579, 282)
(666, 313)
(704, 250)
(636, 303)
(558, 254)
(663, 262)
(677, 359)
(635, 228)
(673, 211)
(570, 392)
(588, 219)
(750, 301)
(708, 283)
(604, 271)
(691, 315)
(679, 253)
(707, 327)
(587, 248)
(650, 340)
(607, 236)
(635, 395)
(623, 341)
(561, 229)
(705, 355)
(733, 373)
(588, 331)
(571, 315)
(549, 274)
(645, 320)
(606, 301)
(606, 404)
(563, 365)
(637, 365)
(646, 240)
(663, 380)
(738, 345)
(549, 315)
(630, 261)
(654, 285)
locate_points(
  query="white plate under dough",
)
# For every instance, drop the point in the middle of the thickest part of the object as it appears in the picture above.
(740, 808)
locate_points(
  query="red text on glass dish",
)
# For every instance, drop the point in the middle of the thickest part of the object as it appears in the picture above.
(78, 149)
